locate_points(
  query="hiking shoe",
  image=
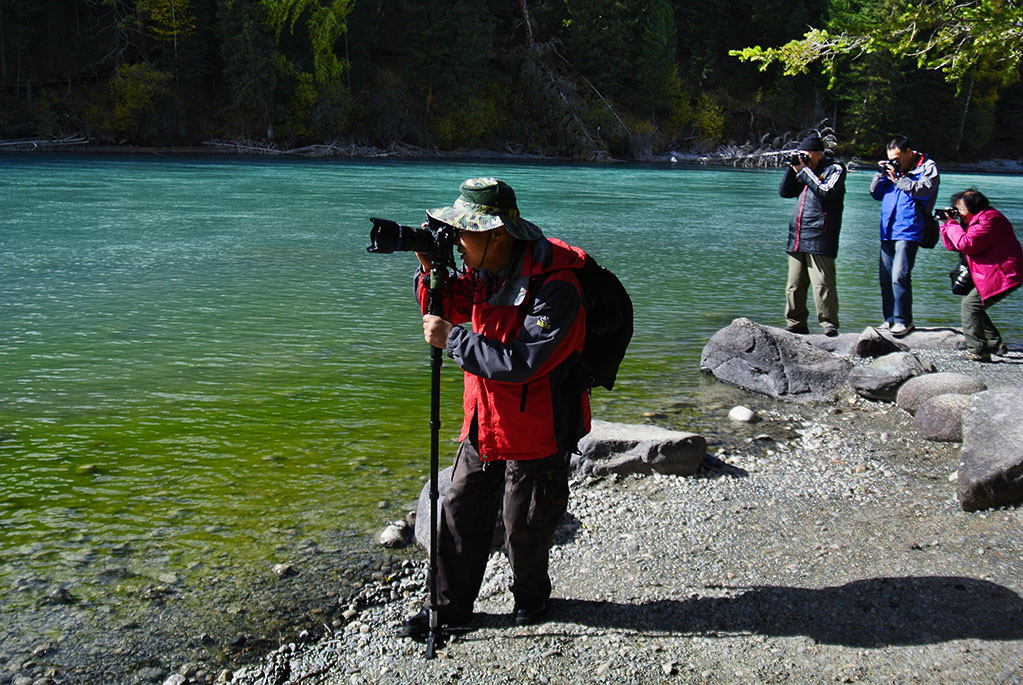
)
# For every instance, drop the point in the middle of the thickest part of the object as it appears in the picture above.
(900, 329)
(529, 614)
(418, 626)
(978, 356)
(1001, 351)
(798, 329)
(830, 331)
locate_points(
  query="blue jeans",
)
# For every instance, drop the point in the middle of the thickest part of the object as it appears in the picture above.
(894, 270)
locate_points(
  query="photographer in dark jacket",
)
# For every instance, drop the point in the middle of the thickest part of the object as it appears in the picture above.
(818, 181)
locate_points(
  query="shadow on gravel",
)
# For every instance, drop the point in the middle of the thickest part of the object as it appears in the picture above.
(876, 612)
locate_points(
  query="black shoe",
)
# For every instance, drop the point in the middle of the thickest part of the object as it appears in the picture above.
(830, 331)
(530, 614)
(1001, 351)
(798, 329)
(418, 626)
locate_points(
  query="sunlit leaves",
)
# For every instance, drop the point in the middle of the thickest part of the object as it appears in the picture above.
(168, 19)
(952, 36)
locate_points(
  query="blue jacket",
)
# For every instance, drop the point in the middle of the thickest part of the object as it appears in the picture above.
(904, 202)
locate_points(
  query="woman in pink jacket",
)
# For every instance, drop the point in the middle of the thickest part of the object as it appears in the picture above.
(995, 259)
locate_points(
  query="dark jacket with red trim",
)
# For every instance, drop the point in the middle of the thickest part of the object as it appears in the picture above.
(817, 218)
(520, 358)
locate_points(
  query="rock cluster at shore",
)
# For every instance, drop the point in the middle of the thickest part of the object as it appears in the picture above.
(821, 543)
(793, 367)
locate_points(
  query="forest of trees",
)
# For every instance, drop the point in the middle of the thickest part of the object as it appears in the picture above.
(583, 79)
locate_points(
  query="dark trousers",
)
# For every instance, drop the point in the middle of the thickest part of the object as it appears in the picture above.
(981, 334)
(534, 495)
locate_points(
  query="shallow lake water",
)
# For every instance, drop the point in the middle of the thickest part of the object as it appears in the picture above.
(203, 373)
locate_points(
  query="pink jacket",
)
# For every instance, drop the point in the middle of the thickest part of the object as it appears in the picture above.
(992, 251)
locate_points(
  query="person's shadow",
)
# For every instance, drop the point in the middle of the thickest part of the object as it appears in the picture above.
(876, 612)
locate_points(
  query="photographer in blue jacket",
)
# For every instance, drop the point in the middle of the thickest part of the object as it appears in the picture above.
(907, 186)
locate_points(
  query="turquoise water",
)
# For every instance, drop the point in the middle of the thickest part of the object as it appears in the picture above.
(198, 357)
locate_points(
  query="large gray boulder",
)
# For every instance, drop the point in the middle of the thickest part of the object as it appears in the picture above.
(941, 417)
(881, 378)
(916, 391)
(873, 343)
(991, 459)
(626, 449)
(935, 339)
(773, 362)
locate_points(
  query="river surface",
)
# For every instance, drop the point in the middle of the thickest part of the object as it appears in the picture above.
(203, 373)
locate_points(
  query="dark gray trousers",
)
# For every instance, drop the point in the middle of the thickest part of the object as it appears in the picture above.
(534, 494)
(981, 334)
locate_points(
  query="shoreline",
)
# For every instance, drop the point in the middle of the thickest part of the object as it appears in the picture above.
(823, 542)
(352, 151)
(659, 578)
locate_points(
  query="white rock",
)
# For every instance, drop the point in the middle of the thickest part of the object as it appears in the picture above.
(742, 414)
(282, 570)
(392, 536)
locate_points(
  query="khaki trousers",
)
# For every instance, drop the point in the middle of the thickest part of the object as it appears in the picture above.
(806, 270)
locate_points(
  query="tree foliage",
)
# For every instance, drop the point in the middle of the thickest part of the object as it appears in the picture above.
(951, 36)
(574, 78)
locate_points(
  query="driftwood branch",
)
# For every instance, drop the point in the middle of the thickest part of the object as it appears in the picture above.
(768, 152)
(36, 143)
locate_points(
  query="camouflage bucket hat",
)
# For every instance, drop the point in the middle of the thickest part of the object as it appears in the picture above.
(483, 204)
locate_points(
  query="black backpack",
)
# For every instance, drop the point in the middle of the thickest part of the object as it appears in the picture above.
(931, 229)
(608, 323)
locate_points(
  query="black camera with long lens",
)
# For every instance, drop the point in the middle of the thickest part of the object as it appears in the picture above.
(946, 214)
(437, 239)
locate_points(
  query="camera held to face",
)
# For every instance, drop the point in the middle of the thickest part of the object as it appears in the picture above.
(892, 164)
(798, 158)
(946, 214)
(437, 240)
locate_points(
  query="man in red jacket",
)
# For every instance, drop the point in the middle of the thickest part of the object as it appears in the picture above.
(524, 402)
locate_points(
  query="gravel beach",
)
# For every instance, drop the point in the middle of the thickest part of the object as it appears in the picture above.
(823, 543)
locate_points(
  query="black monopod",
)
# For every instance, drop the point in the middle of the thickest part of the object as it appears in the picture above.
(438, 241)
(438, 279)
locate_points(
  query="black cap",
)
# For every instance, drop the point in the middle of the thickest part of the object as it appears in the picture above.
(812, 143)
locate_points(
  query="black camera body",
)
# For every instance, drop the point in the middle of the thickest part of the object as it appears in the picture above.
(892, 164)
(798, 158)
(946, 214)
(437, 239)
(962, 280)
